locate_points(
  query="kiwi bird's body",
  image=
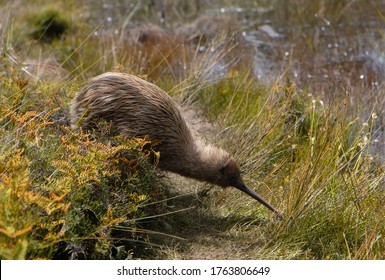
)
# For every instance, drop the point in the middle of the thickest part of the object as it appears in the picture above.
(137, 108)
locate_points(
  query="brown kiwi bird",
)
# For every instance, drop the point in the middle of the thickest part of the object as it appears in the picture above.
(137, 108)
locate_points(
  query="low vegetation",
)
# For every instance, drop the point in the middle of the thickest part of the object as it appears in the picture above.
(310, 151)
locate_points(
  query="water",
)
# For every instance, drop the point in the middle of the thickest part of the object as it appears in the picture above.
(317, 43)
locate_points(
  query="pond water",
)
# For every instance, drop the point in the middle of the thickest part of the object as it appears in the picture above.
(316, 42)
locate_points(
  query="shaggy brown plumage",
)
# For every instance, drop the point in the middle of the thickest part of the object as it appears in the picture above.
(137, 108)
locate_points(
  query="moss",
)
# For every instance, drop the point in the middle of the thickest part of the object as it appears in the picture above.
(48, 25)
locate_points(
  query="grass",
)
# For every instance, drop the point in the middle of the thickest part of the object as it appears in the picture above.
(314, 163)
(311, 151)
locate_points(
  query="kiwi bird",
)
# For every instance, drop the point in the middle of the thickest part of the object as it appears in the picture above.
(137, 108)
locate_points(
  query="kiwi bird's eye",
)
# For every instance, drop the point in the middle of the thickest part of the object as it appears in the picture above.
(233, 178)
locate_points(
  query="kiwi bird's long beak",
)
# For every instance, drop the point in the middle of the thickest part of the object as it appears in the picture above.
(256, 196)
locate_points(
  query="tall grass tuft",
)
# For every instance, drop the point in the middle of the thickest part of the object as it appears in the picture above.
(313, 161)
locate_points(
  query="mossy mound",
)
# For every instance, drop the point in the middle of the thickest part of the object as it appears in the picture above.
(48, 25)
